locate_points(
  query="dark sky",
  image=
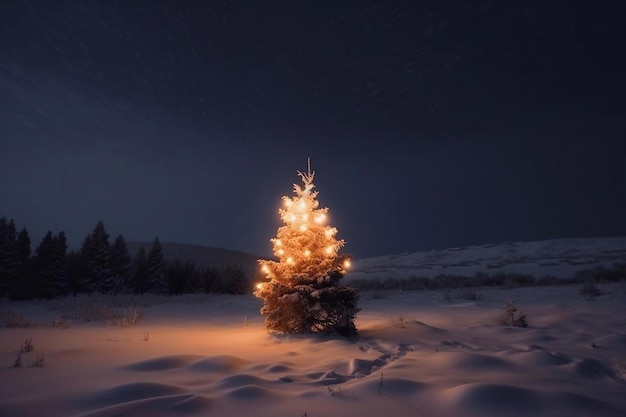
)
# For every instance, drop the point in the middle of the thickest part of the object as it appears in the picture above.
(430, 124)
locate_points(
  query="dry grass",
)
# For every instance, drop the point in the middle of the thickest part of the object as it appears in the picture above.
(60, 323)
(113, 310)
(11, 319)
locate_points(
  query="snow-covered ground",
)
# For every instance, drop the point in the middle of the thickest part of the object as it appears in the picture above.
(559, 258)
(416, 355)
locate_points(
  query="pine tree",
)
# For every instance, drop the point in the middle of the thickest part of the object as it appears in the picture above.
(121, 266)
(77, 271)
(182, 277)
(140, 271)
(156, 278)
(20, 288)
(96, 254)
(303, 293)
(8, 256)
(59, 285)
(50, 269)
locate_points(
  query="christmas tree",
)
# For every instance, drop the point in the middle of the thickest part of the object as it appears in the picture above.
(302, 294)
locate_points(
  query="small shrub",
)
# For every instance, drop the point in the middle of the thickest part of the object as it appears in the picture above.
(39, 362)
(146, 337)
(27, 346)
(60, 323)
(589, 291)
(18, 360)
(512, 317)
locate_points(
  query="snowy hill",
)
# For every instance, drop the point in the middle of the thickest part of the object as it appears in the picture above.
(560, 258)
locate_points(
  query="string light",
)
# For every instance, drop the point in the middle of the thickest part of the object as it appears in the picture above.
(259, 286)
(301, 247)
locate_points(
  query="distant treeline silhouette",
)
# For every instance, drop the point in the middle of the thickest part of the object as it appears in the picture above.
(100, 266)
(598, 274)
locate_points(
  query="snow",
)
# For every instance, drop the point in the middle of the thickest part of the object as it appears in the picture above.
(559, 258)
(416, 355)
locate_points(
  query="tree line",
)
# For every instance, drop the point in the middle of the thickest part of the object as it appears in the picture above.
(100, 266)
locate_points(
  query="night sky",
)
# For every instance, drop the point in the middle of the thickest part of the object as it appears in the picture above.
(430, 124)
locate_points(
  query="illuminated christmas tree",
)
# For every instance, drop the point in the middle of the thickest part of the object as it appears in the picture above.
(302, 294)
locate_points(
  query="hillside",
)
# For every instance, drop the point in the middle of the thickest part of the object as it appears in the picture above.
(560, 258)
(203, 256)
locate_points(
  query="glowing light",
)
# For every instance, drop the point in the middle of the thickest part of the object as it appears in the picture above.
(329, 232)
(347, 264)
(303, 228)
(320, 218)
(265, 269)
(281, 252)
(307, 253)
(329, 250)
(290, 260)
(305, 217)
(259, 286)
(302, 205)
(288, 202)
(292, 218)
(278, 242)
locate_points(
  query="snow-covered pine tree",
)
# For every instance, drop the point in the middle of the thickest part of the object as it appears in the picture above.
(302, 294)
